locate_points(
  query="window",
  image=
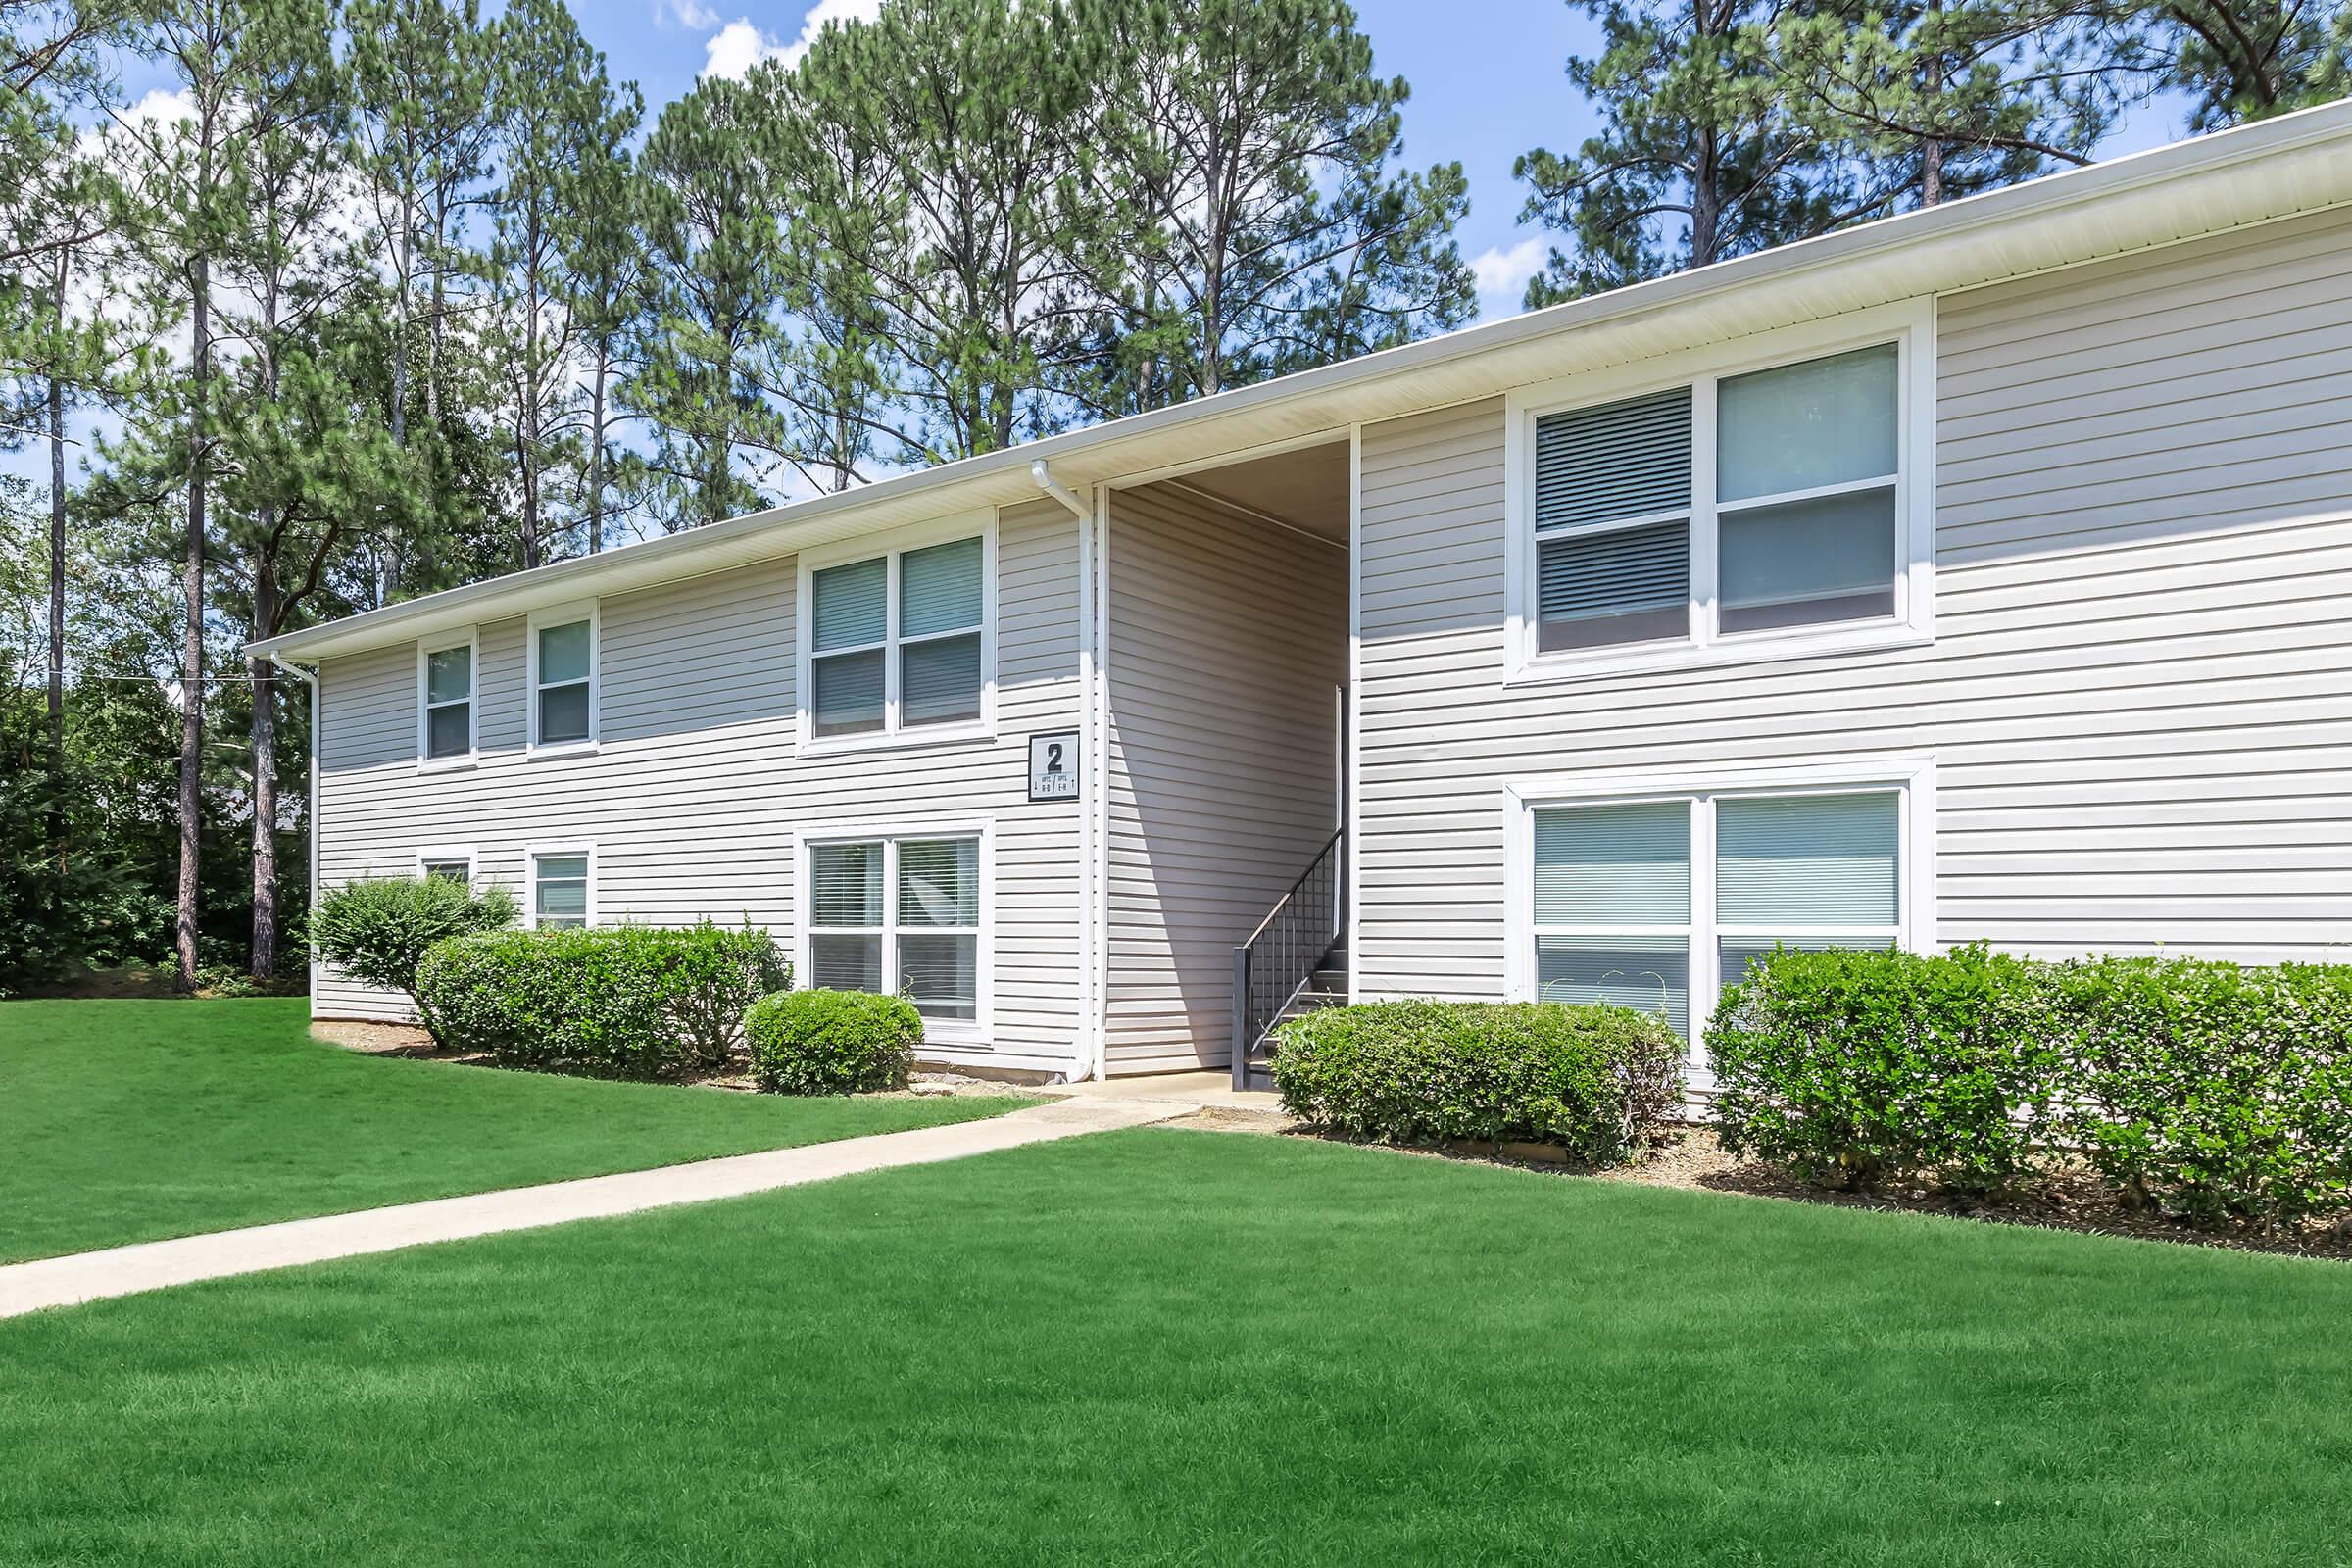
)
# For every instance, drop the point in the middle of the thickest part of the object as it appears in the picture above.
(1654, 903)
(455, 865)
(899, 914)
(445, 702)
(563, 677)
(1774, 506)
(898, 643)
(562, 888)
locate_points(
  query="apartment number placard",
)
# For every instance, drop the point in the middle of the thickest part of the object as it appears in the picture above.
(1054, 767)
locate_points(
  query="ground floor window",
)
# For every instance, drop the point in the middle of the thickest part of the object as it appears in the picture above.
(455, 865)
(1657, 902)
(562, 888)
(899, 913)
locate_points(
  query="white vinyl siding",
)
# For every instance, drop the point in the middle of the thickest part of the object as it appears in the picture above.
(1228, 644)
(697, 787)
(2143, 537)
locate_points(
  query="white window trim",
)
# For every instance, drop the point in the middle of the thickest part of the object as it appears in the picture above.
(974, 1031)
(589, 611)
(533, 855)
(1911, 774)
(444, 854)
(1909, 324)
(894, 544)
(427, 647)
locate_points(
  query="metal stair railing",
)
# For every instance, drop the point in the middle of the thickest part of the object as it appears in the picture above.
(1296, 939)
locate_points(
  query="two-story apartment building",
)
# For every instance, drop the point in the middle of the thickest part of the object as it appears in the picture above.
(1976, 574)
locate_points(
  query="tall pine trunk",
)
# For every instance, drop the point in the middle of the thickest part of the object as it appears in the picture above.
(191, 706)
(265, 776)
(596, 456)
(57, 581)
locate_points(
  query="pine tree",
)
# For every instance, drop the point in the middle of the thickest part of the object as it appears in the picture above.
(1702, 157)
(1245, 154)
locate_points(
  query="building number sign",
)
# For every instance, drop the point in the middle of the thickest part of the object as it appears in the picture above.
(1054, 767)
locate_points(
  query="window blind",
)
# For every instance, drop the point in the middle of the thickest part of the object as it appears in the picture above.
(1825, 421)
(847, 885)
(848, 695)
(1618, 865)
(1807, 860)
(938, 882)
(449, 675)
(939, 589)
(852, 604)
(1627, 585)
(562, 653)
(1622, 459)
(938, 681)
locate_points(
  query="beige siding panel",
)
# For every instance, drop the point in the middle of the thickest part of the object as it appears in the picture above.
(695, 790)
(2136, 694)
(1228, 640)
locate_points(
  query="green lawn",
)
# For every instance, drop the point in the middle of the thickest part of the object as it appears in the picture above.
(1187, 1348)
(127, 1121)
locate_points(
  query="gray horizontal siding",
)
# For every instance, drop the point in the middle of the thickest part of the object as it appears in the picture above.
(1228, 638)
(693, 793)
(2136, 694)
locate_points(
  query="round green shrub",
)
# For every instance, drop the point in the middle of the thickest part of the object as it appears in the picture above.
(831, 1041)
(1596, 1082)
(613, 1001)
(1858, 1066)
(378, 929)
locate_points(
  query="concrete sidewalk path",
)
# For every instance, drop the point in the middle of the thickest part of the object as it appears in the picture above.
(151, 1265)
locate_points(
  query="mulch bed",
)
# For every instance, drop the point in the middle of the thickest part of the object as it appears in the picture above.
(2072, 1200)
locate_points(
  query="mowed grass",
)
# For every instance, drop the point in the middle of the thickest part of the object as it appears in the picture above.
(129, 1121)
(1173, 1346)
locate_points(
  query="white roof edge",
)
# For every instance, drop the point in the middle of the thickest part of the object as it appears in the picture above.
(1000, 476)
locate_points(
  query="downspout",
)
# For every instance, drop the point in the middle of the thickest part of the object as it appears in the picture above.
(310, 679)
(1089, 1060)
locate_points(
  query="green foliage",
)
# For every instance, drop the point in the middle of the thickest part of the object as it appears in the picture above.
(378, 929)
(607, 1001)
(1863, 1064)
(1594, 1081)
(832, 1042)
(2216, 1089)
(2221, 1090)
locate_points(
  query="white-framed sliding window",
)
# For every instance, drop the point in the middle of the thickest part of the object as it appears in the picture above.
(1767, 497)
(897, 638)
(448, 699)
(1654, 889)
(562, 675)
(907, 910)
(455, 861)
(561, 886)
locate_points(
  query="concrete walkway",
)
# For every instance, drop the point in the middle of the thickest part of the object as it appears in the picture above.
(151, 1265)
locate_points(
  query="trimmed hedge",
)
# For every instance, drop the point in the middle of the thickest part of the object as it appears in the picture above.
(607, 1001)
(2213, 1089)
(1861, 1064)
(832, 1042)
(1594, 1081)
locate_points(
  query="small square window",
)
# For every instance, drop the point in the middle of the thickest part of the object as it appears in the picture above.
(559, 891)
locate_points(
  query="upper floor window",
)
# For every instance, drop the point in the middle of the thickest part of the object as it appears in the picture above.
(898, 642)
(1772, 507)
(564, 677)
(445, 676)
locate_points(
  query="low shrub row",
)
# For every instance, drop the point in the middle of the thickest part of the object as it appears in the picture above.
(617, 1002)
(2211, 1087)
(1594, 1081)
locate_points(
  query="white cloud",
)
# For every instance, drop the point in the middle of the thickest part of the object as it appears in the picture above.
(738, 46)
(1503, 275)
(693, 14)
